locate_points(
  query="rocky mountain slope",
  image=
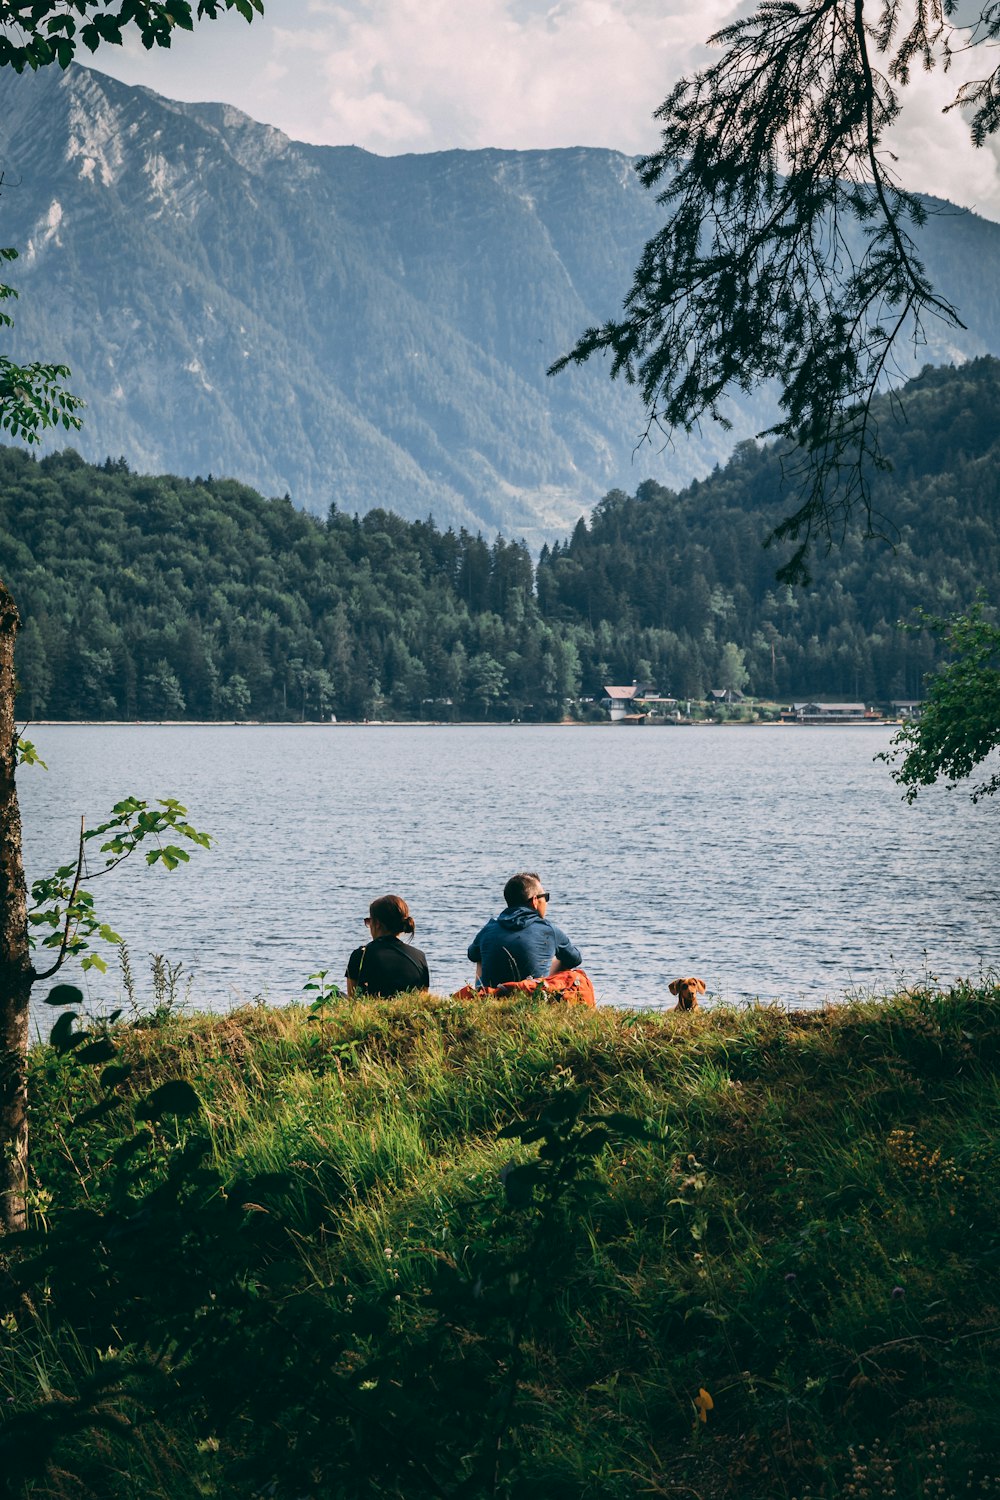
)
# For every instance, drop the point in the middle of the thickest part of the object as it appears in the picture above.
(350, 328)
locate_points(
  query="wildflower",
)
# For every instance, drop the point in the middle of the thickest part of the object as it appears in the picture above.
(898, 1294)
(704, 1404)
(790, 1276)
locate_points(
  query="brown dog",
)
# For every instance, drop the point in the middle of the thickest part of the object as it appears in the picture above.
(687, 992)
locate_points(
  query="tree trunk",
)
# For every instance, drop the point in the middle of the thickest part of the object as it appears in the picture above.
(16, 973)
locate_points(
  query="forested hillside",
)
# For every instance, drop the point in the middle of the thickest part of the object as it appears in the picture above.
(164, 597)
(690, 571)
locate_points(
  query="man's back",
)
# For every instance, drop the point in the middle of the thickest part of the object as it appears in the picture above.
(520, 944)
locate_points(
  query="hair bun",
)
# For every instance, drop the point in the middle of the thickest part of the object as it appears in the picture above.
(392, 913)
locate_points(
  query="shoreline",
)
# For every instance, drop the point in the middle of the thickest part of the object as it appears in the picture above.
(438, 724)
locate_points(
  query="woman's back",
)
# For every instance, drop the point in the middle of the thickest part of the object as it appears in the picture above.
(386, 967)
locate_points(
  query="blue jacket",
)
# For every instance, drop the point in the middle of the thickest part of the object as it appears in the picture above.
(519, 944)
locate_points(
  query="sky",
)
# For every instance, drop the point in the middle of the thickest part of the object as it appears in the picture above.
(397, 76)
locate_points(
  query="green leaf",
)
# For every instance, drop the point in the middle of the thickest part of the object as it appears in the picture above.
(64, 994)
(101, 1051)
(593, 1142)
(170, 854)
(176, 1097)
(179, 12)
(127, 806)
(527, 1131)
(628, 1126)
(519, 1184)
(96, 1111)
(27, 755)
(62, 1036)
(263, 1185)
(109, 29)
(565, 1106)
(116, 1074)
(51, 918)
(132, 1145)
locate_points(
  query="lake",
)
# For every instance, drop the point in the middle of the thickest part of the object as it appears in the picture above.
(773, 862)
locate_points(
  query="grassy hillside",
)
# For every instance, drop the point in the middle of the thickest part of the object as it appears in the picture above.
(737, 1254)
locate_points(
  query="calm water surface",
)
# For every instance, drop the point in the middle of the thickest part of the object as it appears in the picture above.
(778, 863)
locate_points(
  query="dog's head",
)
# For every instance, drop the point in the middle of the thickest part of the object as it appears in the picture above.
(687, 992)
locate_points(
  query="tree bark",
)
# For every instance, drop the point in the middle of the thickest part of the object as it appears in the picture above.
(16, 973)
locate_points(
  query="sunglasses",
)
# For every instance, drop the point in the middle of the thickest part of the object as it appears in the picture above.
(540, 896)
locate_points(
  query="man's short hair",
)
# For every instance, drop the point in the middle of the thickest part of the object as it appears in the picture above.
(520, 888)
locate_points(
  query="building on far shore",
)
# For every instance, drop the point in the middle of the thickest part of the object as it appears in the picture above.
(618, 701)
(830, 713)
(633, 704)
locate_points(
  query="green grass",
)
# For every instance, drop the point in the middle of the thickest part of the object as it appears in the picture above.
(338, 1297)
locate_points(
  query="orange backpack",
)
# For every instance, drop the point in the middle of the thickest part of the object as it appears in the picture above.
(572, 987)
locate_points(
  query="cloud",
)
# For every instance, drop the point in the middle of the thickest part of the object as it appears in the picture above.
(404, 75)
(497, 73)
(934, 149)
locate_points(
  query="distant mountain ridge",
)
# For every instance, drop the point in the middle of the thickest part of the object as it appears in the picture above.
(349, 328)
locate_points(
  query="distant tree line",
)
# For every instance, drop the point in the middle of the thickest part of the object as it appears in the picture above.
(160, 597)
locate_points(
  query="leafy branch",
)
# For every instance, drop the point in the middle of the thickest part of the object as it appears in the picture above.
(64, 911)
(958, 723)
(789, 254)
(27, 755)
(40, 32)
(32, 397)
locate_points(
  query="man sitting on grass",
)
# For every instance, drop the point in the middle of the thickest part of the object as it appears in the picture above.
(521, 943)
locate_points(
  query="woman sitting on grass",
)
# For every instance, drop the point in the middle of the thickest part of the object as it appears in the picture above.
(384, 966)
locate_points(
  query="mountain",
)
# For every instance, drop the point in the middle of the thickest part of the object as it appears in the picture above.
(349, 328)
